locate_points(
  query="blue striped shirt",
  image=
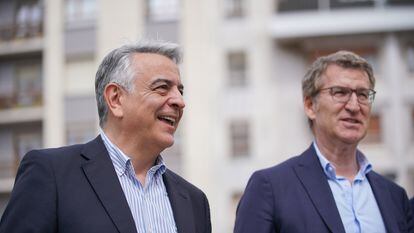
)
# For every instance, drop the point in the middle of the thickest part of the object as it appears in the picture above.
(355, 201)
(149, 204)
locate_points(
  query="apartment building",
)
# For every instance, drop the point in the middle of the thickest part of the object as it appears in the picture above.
(244, 61)
(243, 64)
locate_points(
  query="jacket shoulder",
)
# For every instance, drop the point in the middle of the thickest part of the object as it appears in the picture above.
(183, 182)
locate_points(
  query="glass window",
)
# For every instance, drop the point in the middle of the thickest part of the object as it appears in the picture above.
(351, 3)
(16, 140)
(80, 132)
(163, 10)
(237, 68)
(80, 10)
(29, 18)
(240, 138)
(7, 158)
(410, 58)
(296, 5)
(26, 141)
(400, 2)
(374, 130)
(20, 83)
(29, 83)
(80, 128)
(412, 124)
(7, 86)
(234, 8)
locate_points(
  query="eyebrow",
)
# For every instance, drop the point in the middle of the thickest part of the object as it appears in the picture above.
(169, 82)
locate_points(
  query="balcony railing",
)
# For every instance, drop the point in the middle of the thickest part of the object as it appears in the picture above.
(304, 5)
(25, 31)
(17, 100)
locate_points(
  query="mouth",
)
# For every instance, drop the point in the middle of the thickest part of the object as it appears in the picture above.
(171, 120)
(352, 120)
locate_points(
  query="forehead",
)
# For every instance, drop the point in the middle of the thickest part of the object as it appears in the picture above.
(349, 77)
(154, 64)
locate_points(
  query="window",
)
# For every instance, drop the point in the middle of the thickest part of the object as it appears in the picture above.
(162, 10)
(20, 83)
(16, 140)
(80, 128)
(7, 86)
(400, 2)
(374, 130)
(80, 10)
(26, 141)
(80, 132)
(412, 124)
(29, 83)
(350, 3)
(237, 68)
(234, 8)
(296, 5)
(28, 18)
(240, 138)
(410, 58)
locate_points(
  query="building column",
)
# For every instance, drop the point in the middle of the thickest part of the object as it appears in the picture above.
(118, 27)
(53, 61)
(397, 137)
(198, 30)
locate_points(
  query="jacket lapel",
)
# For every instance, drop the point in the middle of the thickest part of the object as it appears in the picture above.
(384, 201)
(180, 203)
(311, 175)
(104, 181)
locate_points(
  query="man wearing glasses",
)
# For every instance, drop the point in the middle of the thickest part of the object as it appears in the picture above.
(330, 187)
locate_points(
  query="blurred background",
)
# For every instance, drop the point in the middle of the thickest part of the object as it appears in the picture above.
(243, 65)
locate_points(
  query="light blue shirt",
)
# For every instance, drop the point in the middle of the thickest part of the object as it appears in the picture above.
(355, 201)
(149, 204)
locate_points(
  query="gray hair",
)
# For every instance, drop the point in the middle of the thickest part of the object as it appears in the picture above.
(312, 80)
(117, 67)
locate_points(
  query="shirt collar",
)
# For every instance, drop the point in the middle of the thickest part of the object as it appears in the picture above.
(330, 171)
(121, 161)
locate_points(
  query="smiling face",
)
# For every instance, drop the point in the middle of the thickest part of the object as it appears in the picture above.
(152, 110)
(334, 121)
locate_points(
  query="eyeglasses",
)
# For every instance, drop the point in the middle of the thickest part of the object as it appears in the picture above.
(343, 94)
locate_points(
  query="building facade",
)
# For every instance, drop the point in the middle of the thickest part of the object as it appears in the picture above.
(243, 65)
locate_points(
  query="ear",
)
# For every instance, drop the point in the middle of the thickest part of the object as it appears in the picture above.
(309, 105)
(113, 96)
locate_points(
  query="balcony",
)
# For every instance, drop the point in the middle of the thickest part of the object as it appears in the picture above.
(284, 6)
(21, 26)
(21, 96)
(16, 140)
(315, 18)
(20, 31)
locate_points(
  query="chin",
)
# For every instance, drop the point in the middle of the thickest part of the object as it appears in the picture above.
(352, 139)
(167, 142)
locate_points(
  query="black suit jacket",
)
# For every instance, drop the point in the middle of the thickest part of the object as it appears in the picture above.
(295, 197)
(75, 189)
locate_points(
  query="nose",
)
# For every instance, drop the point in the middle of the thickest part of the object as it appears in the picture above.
(176, 100)
(353, 105)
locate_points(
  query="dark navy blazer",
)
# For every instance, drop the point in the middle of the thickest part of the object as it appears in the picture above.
(75, 189)
(295, 197)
